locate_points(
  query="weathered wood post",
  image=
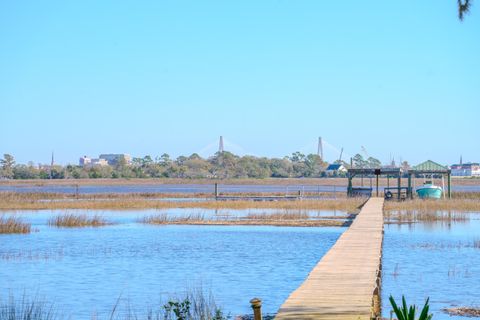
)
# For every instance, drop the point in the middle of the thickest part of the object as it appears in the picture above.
(216, 191)
(376, 305)
(349, 188)
(449, 177)
(409, 190)
(399, 184)
(257, 308)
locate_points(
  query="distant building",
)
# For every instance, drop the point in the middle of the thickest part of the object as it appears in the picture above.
(114, 159)
(335, 169)
(465, 170)
(84, 161)
(87, 162)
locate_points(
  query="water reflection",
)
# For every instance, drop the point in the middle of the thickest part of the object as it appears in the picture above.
(436, 259)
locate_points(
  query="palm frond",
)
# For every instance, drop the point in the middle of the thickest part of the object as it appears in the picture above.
(463, 8)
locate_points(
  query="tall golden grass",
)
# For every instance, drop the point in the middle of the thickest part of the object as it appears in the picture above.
(165, 218)
(13, 224)
(429, 205)
(273, 219)
(279, 216)
(412, 216)
(20, 201)
(77, 220)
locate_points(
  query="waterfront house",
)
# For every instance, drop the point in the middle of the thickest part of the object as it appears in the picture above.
(465, 170)
(335, 169)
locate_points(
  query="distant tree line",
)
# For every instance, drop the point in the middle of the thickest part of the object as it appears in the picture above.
(224, 165)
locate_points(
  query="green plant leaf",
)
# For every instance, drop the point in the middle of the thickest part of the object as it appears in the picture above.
(397, 311)
(411, 313)
(404, 308)
(424, 314)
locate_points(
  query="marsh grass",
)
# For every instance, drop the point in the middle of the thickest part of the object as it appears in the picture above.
(430, 205)
(253, 219)
(26, 309)
(279, 216)
(29, 255)
(13, 224)
(470, 312)
(165, 218)
(193, 304)
(21, 201)
(476, 243)
(77, 220)
(413, 216)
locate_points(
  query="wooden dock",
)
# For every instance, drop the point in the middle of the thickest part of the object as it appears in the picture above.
(345, 284)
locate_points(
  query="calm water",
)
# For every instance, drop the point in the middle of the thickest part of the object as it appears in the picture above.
(193, 188)
(432, 260)
(85, 270)
(171, 188)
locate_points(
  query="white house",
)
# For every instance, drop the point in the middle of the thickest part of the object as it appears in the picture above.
(335, 169)
(466, 170)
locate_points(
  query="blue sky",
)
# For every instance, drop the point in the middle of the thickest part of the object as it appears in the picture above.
(401, 78)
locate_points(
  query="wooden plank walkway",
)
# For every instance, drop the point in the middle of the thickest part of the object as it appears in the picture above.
(342, 284)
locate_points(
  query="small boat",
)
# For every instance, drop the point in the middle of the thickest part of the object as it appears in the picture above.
(429, 191)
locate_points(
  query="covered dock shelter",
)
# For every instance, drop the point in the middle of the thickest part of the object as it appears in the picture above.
(431, 168)
(373, 172)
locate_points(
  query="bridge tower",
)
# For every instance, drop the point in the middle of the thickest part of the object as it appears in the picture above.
(220, 145)
(320, 148)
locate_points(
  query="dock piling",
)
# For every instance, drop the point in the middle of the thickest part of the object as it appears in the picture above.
(256, 304)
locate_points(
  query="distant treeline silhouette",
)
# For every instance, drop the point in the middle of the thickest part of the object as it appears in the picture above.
(222, 165)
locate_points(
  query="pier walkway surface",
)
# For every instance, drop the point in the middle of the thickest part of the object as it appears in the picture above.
(345, 283)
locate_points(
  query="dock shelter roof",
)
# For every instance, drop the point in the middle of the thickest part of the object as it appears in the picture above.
(429, 166)
(374, 171)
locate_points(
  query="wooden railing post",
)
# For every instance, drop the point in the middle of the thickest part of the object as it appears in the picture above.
(257, 308)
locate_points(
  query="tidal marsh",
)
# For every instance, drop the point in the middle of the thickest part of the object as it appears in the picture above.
(237, 262)
(470, 203)
(77, 220)
(21, 201)
(434, 256)
(414, 216)
(254, 219)
(13, 224)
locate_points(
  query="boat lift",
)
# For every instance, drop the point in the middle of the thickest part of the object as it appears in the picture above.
(432, 168)
(396, 192)
(390, 192)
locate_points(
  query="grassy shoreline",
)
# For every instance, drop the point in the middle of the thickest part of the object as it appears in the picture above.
(459, 204)
(143, 201)
(39, 201)
(142, 204)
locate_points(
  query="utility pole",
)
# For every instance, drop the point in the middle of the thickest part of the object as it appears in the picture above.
(51, 166)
